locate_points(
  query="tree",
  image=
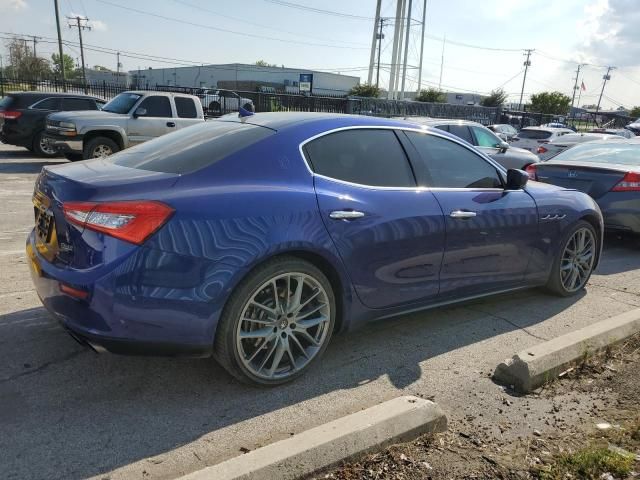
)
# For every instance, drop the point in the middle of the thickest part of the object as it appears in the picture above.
(262, 63)
(69, 66)
(432, 95)
(496, 98)
(365, 90)
(23, 63)
(553, 103)
(635, 112)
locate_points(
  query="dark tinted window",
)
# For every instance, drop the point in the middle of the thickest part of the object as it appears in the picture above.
(461, 131)
(191, 149)
(6, 102)
(72, 104)
(186, 107)
(449, 165)
(156, 107)
(534, 134)
(48, 104)
(368, 157)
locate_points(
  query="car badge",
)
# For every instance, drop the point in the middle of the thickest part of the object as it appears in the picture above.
(573, 174)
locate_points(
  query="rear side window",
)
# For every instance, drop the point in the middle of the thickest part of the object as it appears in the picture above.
(73, 104)
(461, 131)
(186, 107)
(156, 106)
(363, 156)
(193, 148)
(47, 104)
(449, 165)
(534, 134)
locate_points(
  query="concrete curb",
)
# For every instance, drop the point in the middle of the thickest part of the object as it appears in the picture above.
(400, 419)
(535, 366)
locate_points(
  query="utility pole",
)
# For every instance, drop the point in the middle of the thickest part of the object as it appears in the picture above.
(444, 41)
(373, 41)
(35, 41)
(406, 49)
(575, 86)
(61, 57)
(118, 63)
(527, 64)
(605, 77)
(81, 26)
(394, 49)
(424, 16)
(380, 37)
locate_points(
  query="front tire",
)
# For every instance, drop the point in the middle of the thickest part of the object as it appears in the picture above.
(100, 147)
(277, 322)
(41, 148)
(575, 261)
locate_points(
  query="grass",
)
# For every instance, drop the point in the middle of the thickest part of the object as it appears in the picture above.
(589, 463)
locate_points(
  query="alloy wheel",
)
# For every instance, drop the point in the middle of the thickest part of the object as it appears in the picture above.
(283, 326)
(102, 151)
(46, 147)
(577, 259)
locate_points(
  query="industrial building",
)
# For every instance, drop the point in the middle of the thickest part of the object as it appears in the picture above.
(238, 76)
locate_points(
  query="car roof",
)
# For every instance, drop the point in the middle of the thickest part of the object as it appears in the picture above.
(430, 121)
(50, 94)
(549, 129)
(158, 92)
(569, 137)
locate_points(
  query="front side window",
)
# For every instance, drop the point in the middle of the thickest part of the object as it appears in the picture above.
(156, 106)
(186, 107)
(364, 156)
(122, 103)
(75, 104)
(485, 138)
(446, 164)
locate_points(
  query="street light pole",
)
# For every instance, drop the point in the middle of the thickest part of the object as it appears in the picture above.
(380, 37)
(81, 27)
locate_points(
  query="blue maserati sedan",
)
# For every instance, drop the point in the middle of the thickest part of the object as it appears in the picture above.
(256, 239)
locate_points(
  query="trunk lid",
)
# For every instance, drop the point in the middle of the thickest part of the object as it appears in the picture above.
(595, 179)
(65, 243)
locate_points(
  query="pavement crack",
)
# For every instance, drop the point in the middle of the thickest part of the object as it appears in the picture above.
(614, 289)
(524, 329)
(44, 366)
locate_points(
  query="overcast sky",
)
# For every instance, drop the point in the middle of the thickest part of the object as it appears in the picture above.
(562, 32)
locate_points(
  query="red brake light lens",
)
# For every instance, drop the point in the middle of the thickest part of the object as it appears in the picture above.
(532, 171)
(542, 150)
(130, 221)
(10, 114)
(629, 183)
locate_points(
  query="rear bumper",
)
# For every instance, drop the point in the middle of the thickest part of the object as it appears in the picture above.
(126, 310)
(621, 211)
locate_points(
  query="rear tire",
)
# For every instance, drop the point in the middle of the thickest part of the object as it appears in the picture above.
(100, 147)
(41, 148)
(575, 261)
(283, 313)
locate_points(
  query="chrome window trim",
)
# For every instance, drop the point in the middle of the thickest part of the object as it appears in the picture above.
(425, 129)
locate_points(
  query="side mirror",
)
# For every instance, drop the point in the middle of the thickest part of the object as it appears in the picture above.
(503, 146)
(516, 179)
(140, 112)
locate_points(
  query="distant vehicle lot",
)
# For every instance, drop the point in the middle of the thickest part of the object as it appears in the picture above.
(68, 413)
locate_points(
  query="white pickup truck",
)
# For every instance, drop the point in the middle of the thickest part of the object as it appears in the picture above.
(128, 119)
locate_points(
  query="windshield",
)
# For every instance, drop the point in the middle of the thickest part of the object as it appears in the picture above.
(620, 153)
(121, 103)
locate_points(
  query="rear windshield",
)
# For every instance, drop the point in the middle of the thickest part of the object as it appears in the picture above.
(534, 134)
(621, 153)
(192, 148)
(5, 102)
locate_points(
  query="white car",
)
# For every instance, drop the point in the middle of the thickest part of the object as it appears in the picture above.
(559, 144)
(218, 102)
(530, 138)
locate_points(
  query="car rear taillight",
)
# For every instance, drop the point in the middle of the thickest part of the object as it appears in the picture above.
(629, 183)
(10, 114)
(132, 221)
(542, 150)
(532, 171)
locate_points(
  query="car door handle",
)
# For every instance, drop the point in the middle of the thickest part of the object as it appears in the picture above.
(346, 214)
(462, 214)
(171, 124)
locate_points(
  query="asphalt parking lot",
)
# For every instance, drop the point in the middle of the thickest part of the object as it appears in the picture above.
(66, 412)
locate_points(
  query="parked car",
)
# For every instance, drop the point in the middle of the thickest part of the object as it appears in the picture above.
(608, 171)
(559, 144)
(621, 132)
(128, 119)
(505, 131)
(256, 239)
(23, 114)
(634, 127)
(218, 102)
(484, 139)
(531, 138)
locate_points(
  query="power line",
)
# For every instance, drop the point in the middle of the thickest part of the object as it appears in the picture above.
(319, 10)
(224, 30)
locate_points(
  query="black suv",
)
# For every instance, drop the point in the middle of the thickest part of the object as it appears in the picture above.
(22, 116)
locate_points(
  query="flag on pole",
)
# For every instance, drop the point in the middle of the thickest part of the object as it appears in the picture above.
(582, 87)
